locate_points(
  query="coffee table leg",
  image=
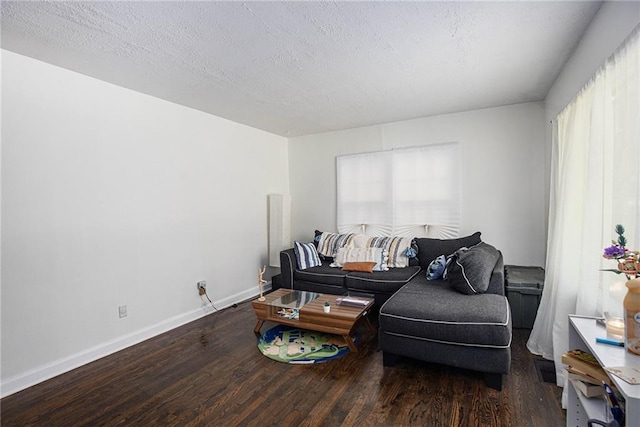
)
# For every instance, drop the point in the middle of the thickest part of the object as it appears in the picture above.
(256, 330)
(370, 326)
(350, 343)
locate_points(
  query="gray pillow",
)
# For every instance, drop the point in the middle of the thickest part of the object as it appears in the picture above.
(470, 270)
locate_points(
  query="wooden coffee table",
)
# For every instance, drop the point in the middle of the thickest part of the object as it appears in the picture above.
(341, 320)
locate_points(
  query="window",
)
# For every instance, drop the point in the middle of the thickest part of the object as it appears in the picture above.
(411, 192)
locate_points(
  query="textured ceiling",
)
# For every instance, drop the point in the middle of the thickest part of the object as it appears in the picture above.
(295, 68)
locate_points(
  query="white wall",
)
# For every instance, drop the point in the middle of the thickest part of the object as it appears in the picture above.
(111, 197)
(502, 173)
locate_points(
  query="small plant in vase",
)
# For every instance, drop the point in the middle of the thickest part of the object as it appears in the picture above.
(628, 260)
(327, 307)
(629, 264)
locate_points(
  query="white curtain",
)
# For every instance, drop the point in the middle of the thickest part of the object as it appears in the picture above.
(594, 186)
(410, 192)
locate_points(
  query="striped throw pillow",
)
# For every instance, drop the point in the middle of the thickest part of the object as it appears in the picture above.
(396, 248)
(397, 252)
(329, 243)
(306, 255)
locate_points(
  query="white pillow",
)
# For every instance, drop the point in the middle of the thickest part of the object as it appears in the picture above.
(351, 254)
(360, 241)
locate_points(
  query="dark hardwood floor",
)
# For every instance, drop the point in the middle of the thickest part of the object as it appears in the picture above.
(210, 372)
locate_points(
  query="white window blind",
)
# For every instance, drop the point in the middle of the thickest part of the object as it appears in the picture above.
(412, 192)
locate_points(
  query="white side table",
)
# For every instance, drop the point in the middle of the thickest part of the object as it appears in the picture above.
(582, 335)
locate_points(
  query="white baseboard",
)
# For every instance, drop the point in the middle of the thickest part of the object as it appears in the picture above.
(42, 373)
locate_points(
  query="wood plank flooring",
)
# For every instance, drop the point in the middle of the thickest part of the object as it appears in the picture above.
(210, 372)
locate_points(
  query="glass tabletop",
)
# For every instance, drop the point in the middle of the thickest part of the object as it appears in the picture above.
(295, 299)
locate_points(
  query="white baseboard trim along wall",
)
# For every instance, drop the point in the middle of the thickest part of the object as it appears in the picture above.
(27, 379)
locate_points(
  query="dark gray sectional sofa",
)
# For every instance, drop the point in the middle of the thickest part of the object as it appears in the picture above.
(429, 320)
(331, 280)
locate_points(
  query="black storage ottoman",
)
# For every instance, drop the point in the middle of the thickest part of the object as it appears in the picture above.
(524, 287)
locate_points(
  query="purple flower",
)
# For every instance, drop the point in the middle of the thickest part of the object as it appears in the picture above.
(614, 251)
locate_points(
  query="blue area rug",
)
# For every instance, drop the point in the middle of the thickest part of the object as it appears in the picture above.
(293, 345)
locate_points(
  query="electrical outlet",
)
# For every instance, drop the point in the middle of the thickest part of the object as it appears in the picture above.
(122, 311)
(202, 287)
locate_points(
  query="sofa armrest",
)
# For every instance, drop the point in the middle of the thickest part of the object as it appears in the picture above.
(288, 265)
(496, 282)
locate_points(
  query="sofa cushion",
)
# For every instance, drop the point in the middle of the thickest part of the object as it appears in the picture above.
(429, 249)
(386, 282)
(469, 272)
(434, 311)
(306, 255)
(322, 274)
